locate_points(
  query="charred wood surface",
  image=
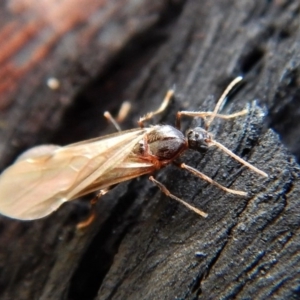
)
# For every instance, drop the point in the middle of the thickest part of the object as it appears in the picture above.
(141, 244)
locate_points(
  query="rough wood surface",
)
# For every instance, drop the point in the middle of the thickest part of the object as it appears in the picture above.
(142, 245)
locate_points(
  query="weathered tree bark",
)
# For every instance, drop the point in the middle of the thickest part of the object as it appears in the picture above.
(142, 245)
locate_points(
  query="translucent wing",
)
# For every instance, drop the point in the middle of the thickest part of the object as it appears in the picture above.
(40, 181)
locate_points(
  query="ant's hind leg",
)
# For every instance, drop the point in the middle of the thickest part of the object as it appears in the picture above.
(169, 194)
(123, 112)
(92, 213)
(162, 107)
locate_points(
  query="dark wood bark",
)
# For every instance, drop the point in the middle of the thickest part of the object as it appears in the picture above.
(142, 245)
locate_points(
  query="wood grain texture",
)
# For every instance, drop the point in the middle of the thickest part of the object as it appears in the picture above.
(142, 245)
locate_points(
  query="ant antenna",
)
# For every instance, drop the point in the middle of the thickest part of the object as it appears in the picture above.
(229, 88)
(239, 159)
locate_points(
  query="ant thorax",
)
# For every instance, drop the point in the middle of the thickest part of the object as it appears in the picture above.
(164, 143)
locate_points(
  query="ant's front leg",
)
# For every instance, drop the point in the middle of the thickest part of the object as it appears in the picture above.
(213, 114)
(205, 114)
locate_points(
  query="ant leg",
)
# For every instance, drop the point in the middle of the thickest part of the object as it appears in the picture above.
(111, 119)
(213, 114)
(208, 179)
(169, 194)
(205, 114)
(88, 221)
(163, 106)
(123, 112)
(92, 215)
(225, 94)
(100, 194)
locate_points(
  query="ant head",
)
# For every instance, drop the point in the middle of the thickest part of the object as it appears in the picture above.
(198, 139)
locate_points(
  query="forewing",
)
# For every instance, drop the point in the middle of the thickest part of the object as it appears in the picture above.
(34, 187)
(128, 169)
